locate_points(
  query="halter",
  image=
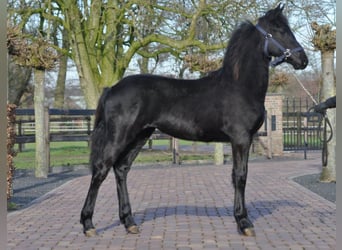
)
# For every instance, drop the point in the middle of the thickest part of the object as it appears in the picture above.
(286, 52)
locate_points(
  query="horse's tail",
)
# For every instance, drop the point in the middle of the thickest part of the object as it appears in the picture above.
(99, 132)
(99, 113)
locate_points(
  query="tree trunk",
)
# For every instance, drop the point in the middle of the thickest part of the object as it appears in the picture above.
(83, 58)
(60, 84)
(63, 66)
(328, 90)
(90, 91)
(143, 65)
(42, 158)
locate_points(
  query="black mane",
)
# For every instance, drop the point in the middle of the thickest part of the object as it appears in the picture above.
(242, 41)
(239, 41)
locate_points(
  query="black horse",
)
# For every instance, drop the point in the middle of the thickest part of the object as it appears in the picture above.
(225, 106)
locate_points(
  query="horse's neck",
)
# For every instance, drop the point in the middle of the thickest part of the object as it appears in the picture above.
(260, 84)
(251, 77)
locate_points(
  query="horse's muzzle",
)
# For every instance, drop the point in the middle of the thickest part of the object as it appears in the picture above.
(298, 60)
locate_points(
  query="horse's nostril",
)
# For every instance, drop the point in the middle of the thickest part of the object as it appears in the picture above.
(305, 62)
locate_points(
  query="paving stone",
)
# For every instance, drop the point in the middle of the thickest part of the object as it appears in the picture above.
(186, 207)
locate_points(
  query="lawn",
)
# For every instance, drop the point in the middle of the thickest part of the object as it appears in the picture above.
(77, 153)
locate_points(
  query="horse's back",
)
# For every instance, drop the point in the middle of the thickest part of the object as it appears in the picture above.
(160, 91)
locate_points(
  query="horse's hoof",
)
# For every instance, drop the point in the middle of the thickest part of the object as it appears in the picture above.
(90, 233)
(249, 232)
(133, 229)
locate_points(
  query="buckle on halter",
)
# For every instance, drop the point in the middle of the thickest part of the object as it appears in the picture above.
(287, 53)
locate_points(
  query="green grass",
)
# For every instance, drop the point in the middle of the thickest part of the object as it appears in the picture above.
(77, 153)
(293, 140)
(61, 154)
(11, 206)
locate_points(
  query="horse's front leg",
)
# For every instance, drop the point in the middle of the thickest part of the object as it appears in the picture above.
(239, 177)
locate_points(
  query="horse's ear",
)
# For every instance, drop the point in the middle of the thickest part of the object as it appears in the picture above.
(274, 13)
(280, 7)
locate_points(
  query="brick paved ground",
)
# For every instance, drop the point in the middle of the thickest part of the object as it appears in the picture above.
(187, 207)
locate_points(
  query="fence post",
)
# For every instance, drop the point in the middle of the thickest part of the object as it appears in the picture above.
(175, 151)
(88, 128)
(20, 132)
(299, 129)
(269, 136)
(218, 155)
(47, 137)
(150, 143)
(305, 137)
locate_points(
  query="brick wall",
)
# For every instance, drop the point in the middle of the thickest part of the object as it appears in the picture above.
(272, 144)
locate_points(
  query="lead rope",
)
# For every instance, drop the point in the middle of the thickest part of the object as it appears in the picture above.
(325, 140)
(327, 123)
(305, 89)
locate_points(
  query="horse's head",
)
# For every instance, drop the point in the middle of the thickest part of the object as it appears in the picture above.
(279, 39)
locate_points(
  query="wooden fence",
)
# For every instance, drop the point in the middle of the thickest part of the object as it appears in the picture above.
(64, 125)
(76, 125)
(71, 125)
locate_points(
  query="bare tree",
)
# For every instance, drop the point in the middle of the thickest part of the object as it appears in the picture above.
(106, 35)
(325, 41)
(59, 94)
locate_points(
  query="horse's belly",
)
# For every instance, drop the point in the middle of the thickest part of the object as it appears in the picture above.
(188, 130)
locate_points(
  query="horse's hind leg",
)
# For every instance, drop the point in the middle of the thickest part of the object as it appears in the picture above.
(240, 151)
(121, 169)
(100, 172)
(102, 158)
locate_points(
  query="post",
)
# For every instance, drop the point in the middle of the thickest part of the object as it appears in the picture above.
(218, 155)
(3, 124)
(305, 124)
(175, 151)
(89, 128)
(299, 128)
(47, 137)
(269, 137)
(42, 159)
(20, 133)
